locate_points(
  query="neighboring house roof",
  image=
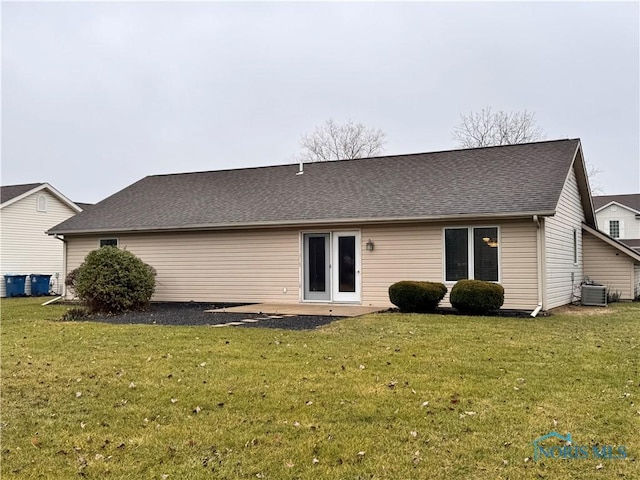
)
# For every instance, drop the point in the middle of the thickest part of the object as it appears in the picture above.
(631, 201)
(617, 244)
(631, 243)
(13, 193)
(507, 181)
(9, 192)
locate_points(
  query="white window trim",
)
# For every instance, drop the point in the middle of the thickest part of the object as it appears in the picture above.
(109, 238)
(576, 257)
(470, 272)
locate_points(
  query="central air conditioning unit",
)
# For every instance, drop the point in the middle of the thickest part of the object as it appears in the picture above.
(594, 295)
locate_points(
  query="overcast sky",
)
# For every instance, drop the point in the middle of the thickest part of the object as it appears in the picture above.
(97, 95)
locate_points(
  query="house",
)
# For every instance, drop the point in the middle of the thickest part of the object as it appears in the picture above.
(619, 216)
(27, 212)
(344, 231)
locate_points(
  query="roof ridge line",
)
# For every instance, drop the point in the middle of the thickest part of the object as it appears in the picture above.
(257, 167)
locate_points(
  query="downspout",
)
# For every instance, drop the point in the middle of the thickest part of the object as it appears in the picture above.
(539, 265)
(63, 293)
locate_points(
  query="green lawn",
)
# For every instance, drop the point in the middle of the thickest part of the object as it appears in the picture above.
(347, 401)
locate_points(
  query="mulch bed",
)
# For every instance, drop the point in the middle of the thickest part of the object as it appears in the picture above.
(194, 314)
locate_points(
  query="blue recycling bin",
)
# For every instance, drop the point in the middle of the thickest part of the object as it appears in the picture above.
(15, 285)
(40, 285)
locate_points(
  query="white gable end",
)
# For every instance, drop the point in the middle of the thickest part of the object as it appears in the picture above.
(26, 248)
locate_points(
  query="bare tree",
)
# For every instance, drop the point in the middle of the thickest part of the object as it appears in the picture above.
(592, 172)
(487, 128)
(332, 141)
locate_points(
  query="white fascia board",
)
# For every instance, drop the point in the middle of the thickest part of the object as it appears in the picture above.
(618, 204)
(303, 223)
(44, 186)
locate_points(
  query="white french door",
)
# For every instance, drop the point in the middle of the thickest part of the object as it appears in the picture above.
(331, 266)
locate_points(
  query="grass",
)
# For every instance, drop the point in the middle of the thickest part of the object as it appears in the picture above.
(347, 401)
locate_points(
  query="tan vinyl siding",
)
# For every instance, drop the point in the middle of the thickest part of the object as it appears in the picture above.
(26, 249)
(606, 265)
(229, 266)
(256, 265)
(559, 245)
(402, 252)
(415, 252)
(519, 263)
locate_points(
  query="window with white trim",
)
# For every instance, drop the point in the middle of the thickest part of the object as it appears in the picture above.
(108, 242)
(614, 228)
(575, 246)
(471, 253)
(41, 203)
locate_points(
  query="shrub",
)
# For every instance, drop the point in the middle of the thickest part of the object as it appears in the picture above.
(75, 313)
(112, 281)
(476, 297)
(419, 297)
(613, 295)
(72, 278)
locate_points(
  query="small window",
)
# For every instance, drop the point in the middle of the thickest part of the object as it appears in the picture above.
(575, 246)
(471, 253)
(41, 203)
(108, 242)
(614, 228)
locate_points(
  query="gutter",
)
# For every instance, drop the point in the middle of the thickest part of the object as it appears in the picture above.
(540, 264)
(303, 223)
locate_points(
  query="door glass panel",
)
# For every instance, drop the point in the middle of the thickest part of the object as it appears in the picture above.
(317, 262)
(347, 263)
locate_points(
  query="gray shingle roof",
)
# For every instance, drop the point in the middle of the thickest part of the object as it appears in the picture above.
(631, 200)
(631, 242)
(8, 192)
(83, 205)
(507, 180)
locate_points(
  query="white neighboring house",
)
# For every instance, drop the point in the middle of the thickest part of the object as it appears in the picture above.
(26, 213)
(619, 217)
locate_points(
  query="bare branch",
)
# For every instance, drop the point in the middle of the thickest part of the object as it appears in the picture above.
(592, 172)
(487, 128)
(331, 141)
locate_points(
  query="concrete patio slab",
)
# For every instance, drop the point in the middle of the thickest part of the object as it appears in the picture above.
(323, 309)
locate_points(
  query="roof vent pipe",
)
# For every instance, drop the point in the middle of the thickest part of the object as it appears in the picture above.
(301, 171)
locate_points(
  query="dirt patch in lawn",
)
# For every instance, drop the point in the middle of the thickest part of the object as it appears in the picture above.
(579, 310)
